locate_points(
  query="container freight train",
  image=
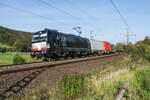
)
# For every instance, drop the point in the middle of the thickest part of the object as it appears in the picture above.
(53, 44)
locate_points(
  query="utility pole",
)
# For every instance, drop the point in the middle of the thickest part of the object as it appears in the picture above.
(78, 29)
(128, 36)
(91, 40)
(91, 37)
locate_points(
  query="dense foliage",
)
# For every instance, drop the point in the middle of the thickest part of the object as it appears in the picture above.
(142, 83)
(120, 47)
(18, 59)
(20, 41)
(141, 50)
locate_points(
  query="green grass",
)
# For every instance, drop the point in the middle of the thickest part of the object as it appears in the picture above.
(7, 58)
(74, 85)
(107, 82)
(142, 83)
(5, 46)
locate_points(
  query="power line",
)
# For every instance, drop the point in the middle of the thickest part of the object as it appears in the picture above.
(63, 11)
(81, 10)
(124, 20)
(118, 11)
(30, 13)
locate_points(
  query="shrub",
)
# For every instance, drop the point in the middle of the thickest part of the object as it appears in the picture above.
(120, 47)
(18, 59)
(140, 52)
(74, 85)
(143, 83)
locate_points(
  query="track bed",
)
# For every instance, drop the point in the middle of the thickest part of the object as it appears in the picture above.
(26, 80)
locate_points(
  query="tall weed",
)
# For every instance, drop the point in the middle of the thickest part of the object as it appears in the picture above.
(143, 83)
(73, 85)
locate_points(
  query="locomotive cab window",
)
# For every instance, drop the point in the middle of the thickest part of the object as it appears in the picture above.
(39, 36)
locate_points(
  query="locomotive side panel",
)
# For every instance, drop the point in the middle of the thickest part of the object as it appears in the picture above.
(77, 45)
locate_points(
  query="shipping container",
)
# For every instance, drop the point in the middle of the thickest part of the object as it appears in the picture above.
(96, 45)
(107, 46)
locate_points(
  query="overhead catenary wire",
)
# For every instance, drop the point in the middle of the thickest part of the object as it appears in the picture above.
(65, 12)
(118, 11)
(124, 20)
(31, 13)
(81, 10)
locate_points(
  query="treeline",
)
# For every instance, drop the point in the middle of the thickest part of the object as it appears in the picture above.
(122, 47)
(137, 51)
(141, 50)
(18, 40)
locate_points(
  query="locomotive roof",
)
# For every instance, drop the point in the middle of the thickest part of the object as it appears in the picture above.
(75, 36)
(72, 35)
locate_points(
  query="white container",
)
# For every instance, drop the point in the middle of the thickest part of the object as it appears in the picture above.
(96, 45)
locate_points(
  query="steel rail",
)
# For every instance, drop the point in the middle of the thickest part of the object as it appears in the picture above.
(48, 65)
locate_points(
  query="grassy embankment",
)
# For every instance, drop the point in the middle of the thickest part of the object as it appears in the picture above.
(7, 58)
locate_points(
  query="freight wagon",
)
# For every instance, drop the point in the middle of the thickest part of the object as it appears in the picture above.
(107, 47)
(100, 47)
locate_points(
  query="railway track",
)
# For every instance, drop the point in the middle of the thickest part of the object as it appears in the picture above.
(22, 78)
(25, 67)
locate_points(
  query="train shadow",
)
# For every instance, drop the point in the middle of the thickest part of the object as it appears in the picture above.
(21, 84)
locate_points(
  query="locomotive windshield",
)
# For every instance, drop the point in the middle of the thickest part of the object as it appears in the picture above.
(39, 36)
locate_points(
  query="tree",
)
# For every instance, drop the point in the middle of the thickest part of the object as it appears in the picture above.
(120, 47)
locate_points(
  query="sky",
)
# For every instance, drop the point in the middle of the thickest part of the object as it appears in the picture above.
(96, 16)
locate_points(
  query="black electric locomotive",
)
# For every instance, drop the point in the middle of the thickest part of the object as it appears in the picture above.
(54, 44)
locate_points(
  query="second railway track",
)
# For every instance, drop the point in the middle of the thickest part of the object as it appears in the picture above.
(26, 67)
